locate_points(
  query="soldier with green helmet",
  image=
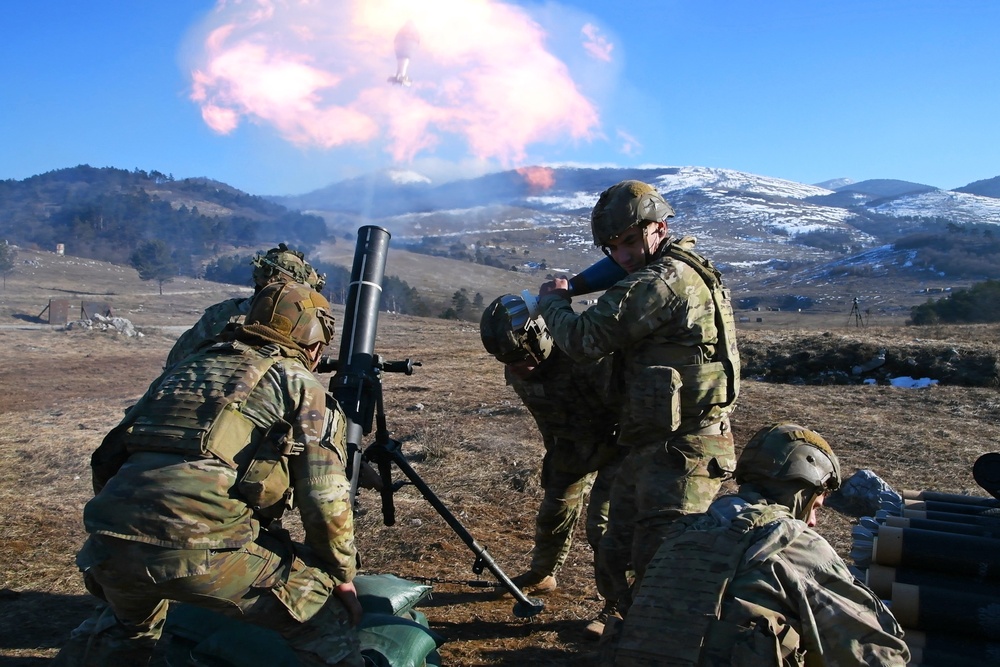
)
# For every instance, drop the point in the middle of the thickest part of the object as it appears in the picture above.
(670, 324)
(280, 264)
(577, 417)
(750, 583)
(192, 484)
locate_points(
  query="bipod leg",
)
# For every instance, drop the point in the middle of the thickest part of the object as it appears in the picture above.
(525, 607)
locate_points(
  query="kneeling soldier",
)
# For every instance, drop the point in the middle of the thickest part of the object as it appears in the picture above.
(193, 482)
(750, 583)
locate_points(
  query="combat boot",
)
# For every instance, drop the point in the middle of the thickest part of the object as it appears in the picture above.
(533, 583)
(595, 628)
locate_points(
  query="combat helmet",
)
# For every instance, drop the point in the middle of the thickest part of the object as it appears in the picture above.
(511, 335)
(295, 311)
(281, 264)
(789, 453)
(314, 279)
(625, 205)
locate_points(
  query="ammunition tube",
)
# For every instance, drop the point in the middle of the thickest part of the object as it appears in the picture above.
(966, 555)
(975, 519)
(941, 610)
(880, 579)
(909, 494)
(954, 508)
(944, 526)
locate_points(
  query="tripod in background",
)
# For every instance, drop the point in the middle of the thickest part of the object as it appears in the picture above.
(856, 316)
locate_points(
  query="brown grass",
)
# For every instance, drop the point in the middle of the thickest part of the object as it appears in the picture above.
(468, 437)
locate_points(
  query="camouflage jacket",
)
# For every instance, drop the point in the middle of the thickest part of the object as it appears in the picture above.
(161, 497)
(661, 321)
(576, 412)
(210, 325)
(785, 583)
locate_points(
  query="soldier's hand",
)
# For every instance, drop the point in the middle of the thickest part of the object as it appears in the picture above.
(559, 286)
(347, 594)
(369, 478)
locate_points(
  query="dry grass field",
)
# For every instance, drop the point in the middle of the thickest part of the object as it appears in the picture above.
(465, 434)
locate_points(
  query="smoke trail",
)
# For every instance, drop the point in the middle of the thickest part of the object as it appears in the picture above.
(477, 71)
(595, 43)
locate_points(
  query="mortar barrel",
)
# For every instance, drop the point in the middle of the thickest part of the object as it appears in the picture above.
(965, 555)
(939, 610)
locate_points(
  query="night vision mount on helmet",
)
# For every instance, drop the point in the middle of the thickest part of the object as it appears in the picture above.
(511, 335)
(282, 264)
(625, 205)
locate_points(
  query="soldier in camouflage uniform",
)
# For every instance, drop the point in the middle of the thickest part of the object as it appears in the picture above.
(191, 485)
(578, 419)
(279, 264)
(750, 583)
(670, 325)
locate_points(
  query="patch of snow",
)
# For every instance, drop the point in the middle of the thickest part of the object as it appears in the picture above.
(959, 207)
(907, 382)
(402, 177)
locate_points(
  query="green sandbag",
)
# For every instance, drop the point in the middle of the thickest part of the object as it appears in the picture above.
(394, 641)
(397, 637)
(222, 641)
(389, 594)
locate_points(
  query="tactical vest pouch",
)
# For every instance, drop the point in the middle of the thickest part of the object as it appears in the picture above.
(226, 436)
(195, 410)
(756, 645)
(655, 398)
(229, 434)
(704, 385)
(266, 485)
(305, 590)
(726, 351)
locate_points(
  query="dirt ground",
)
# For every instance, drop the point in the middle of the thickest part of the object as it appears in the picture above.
(468, 437)
(464, 433)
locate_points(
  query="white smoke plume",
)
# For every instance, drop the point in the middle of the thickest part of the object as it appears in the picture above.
(320, 74)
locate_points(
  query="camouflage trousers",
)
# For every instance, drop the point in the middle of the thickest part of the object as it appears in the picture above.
(270, 582)
(561, 508)
(655, 485)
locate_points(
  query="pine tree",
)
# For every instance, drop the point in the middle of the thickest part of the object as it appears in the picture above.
(153, 261)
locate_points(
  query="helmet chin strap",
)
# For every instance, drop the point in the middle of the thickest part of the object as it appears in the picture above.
(647, 251)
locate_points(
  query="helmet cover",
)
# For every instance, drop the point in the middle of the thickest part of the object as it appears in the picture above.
(281, 264)
(625, 205)
(789, 453)
(293, 310)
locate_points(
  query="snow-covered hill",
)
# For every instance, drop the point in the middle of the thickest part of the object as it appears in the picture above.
(747, 222)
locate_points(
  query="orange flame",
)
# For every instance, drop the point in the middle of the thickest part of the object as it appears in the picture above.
(539, 179)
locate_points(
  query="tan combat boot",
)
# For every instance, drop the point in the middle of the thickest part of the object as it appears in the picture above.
(533, 583)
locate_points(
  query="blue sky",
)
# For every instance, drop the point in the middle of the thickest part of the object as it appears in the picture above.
(284, 103)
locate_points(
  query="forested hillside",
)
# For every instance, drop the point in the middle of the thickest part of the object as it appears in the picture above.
(108, 213)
